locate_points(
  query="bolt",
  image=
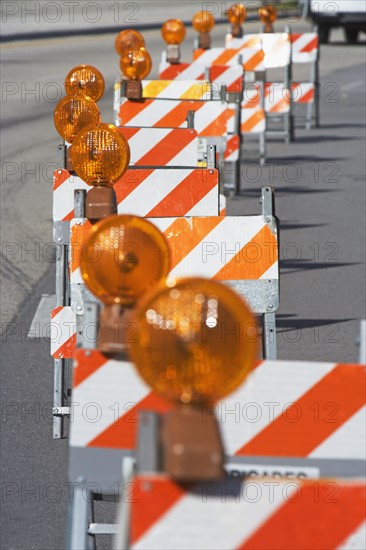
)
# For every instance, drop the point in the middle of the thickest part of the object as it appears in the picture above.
(270, 306)
(211, 171)
(268, 220)
(79, 308)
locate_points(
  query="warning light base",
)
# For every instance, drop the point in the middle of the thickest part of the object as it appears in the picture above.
(131, 89)
(100, 203)
(268, 28)
(204, 40)
(236, 30)
(173, 54)
(114, 328)
(192, 448)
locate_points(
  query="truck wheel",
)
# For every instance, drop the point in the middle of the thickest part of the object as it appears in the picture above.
(324, 33)
(351, 35)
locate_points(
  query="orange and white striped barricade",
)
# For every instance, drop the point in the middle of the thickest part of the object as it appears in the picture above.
(253, 117)
(231, 76)
(207, 90)
(240, 251)
(266, 514)
(305, 50)
(277, 55)
(210, 117)
(144, 191)
(251, 59)
(170, 147)
(289, 421)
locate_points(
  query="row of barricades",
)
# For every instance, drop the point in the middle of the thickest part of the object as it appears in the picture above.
(170, 411)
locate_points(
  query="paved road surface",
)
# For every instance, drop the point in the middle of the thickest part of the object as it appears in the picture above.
(320, 199)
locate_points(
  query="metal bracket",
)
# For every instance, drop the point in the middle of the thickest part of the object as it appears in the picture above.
(190, 120)
(267, 201)
(148, 456)
(87, 334)
(79, 203)
(61, 411)
(211, 157)
(61, 150)
(61, 232)
(223, 93)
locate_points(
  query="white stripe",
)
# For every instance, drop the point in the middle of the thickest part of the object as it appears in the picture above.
(270, 388)
(301, 90)
(104, 396)
(271, 273)
(151, 191)
(231, 75)
(299, 44)
(76, 277)
(247, 54)
(349, 440)
(207, 206)
(63, 197)
(277, 50)
(220, 522)
(274, 95)
(193, 71)
(248, 41)
(63, 327)
(207, 114)
(209, 57)
(144, 140)
(356, 541)
(152, 114)
(246, 114)
(188, 156)
(218, 247)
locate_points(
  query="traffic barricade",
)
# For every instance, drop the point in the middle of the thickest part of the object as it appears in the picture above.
(265, 513)
(305, 51)
(237, 69)
(84, 86)
(208, 117)
(277, 57)
(297, 395)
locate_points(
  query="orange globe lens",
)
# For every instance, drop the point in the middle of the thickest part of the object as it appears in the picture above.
(203, 21)
(100, 154)
(236, 14)
(85, 80)
(122, 258)
(128, 40)
(173, 31)
(72, 114)
(197, 340)
(136, 64)
(268, 14)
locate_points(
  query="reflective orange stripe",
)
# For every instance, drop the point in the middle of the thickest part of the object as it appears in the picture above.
(86, 365)
(258, 255)
(323, 517)
(122, 433)
(186, 195)
(252, 122)
(184, 235)
(134, 108)
(254, 61)
(343, 390)
(146, 509)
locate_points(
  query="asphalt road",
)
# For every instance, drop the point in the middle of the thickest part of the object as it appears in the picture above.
(320, 201)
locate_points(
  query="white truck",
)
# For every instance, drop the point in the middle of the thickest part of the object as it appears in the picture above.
(328, 14)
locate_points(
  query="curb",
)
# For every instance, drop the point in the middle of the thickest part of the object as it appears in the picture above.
(107, 30)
